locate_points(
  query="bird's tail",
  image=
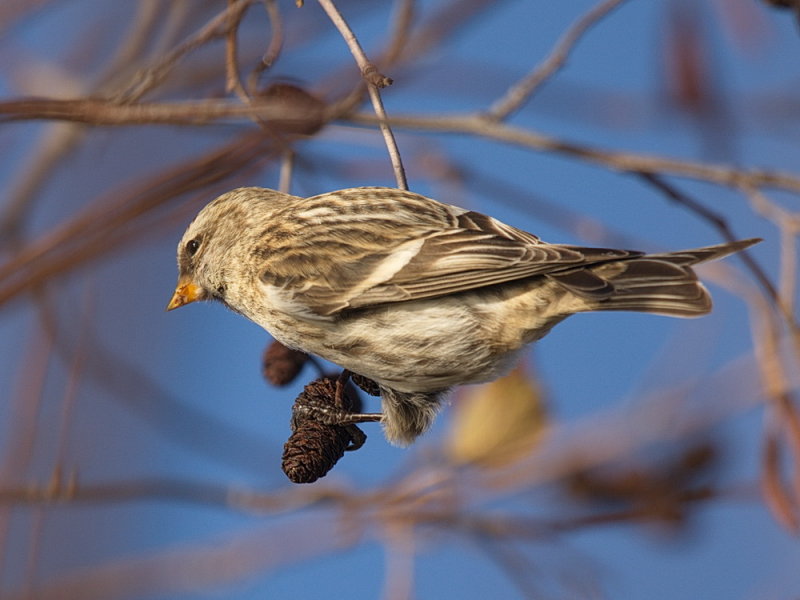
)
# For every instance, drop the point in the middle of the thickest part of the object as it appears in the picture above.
(656, 283)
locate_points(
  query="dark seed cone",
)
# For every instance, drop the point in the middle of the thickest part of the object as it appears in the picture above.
(303, 111)
(281, 365)
(315, 447)
(312, 450)
(366, 384)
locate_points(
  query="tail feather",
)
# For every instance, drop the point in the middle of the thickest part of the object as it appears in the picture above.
(699, 255)
(655, 283)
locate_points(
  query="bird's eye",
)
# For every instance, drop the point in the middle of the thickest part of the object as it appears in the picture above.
(192, 246)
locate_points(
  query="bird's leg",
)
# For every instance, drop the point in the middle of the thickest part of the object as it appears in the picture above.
(336, 414)
(333, 415)
(352, 417)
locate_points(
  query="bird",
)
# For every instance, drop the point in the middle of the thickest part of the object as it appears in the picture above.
(417, 295)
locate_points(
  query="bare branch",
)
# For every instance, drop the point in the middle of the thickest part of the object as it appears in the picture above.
(375, 80)
(233, 82)
(154, 75)
(524, 89)
(287, 167)
(583, 473)
(273, 49)
(278, 112)
(480, 126)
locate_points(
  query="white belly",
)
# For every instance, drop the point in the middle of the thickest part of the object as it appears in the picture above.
(427, 345)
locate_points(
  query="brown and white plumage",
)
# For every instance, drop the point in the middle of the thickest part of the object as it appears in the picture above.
(417, 295)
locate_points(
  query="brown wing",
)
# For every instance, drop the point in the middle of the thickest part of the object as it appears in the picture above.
(459, 261)
(375, 261)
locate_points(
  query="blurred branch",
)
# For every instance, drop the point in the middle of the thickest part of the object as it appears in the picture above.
(480, 126)
(589, 472)
(149, 489)
(151, 77)
(233, 81)
(279, 113)
(402, 21)
(780, 499)
(58, 139)
(14, 10)
(782, 422)
(287, 168)
(397, 516)
(448, 20)
(788, 224)
(524, 89)
(426, 496)
(273, 49)
(171, 572)
(98, 230)
(433, 489)
(101, 112)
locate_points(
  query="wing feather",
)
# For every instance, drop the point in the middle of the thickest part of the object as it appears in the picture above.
(434, 250)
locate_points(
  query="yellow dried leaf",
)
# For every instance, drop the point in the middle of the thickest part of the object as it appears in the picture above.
(497, 423)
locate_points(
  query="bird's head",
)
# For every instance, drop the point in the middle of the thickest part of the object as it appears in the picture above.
(209, 258)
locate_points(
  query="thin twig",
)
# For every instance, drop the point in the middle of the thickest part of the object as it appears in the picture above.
(399, 544)
(89, 234)
(287, 167)
(524, 89)
(58, 140)
(154, 75)
(401, 28)
(448, 20)
(375, 80)
(789, 225)
(388, 136)
(773, 377)
(519, 568)
(481, 126)
(776, 494)
(273, 49)
(233, 81)
(369, 71)
(192, 112)
(22, 441)
(101, 112)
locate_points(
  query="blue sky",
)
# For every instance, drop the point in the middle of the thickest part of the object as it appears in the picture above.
(179, 397)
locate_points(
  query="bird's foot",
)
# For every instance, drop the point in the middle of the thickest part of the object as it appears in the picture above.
(333, 415)
(337, 413)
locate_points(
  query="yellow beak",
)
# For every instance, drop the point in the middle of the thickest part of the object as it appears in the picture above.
(186, 292)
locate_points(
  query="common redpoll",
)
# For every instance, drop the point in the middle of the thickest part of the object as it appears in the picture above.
(417, 295)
